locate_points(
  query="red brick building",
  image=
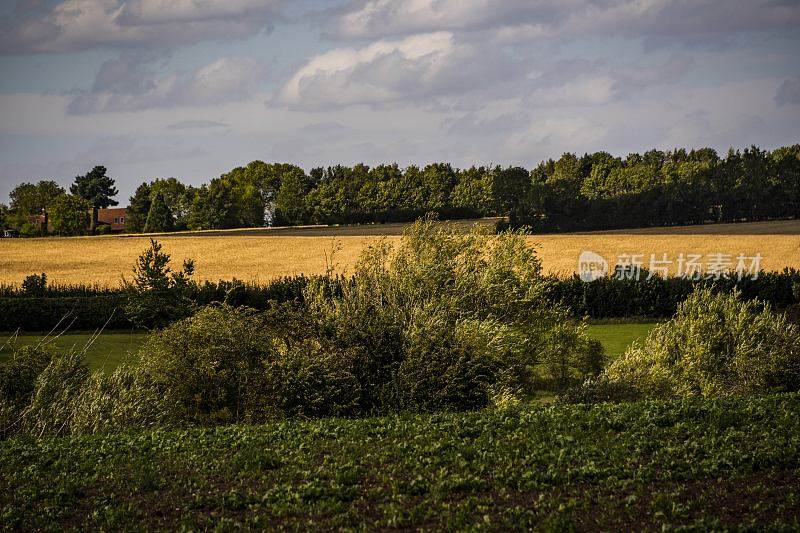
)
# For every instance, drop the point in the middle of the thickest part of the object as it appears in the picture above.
(113, 216)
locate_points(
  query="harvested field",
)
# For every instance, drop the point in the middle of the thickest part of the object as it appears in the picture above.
(263, 254)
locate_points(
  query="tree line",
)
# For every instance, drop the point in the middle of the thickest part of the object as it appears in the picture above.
(593, 191)
(38, 208)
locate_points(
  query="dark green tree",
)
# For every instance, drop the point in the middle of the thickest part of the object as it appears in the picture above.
(32, 199)
(138, 209)
(158, 296)
(4, 215)
(160, 217)
(69, 215)
(98, 189)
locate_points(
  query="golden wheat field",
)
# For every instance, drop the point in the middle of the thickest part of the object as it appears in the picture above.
(263, 254)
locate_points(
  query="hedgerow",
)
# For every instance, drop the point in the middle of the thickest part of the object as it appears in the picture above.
(715, 345)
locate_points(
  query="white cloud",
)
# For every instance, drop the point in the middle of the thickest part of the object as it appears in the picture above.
(383, 72)
(229, 79)
(73, 25)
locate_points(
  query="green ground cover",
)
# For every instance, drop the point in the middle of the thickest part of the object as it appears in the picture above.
(616, 337)
(111, 348)
(719, 464)
(106, 352)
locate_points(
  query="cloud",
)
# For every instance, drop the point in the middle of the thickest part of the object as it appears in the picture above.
(196, 125)
(420, 68)
(74, 25)
(128, 84)
(515, 20)
(788, 92)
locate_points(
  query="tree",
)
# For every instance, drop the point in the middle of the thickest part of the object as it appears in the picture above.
(290, 200)
(157, 296)
(160, 217)
(29, 199)
(138, 209)
(4, 222)
(69, 215)
(98, 189)
(177, 196)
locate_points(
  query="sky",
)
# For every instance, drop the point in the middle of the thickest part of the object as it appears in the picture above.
(194, 88)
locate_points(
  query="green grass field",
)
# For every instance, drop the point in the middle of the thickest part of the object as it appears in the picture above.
(725, 464)
(617, 337)
(106, 353)
(112, 348)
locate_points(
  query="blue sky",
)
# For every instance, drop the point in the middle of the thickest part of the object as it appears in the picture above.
(193, 88)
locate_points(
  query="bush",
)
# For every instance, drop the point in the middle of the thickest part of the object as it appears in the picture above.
(600, 389)
(82, 313)
(206, 363)
(311, 378)
(715, 345)
(227, 365)
(54, 399)
(17, 383)
(124, 399)
(446, 320)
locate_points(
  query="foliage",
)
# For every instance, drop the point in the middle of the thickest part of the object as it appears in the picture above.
(159, 218)
(593, 191)
(17, 383)
(599, 191)
(4, 217)
(138, 209)
(724, 465)
(79, 312)
(446, 319)
(208, 363)
(157, 295)
(69, 215)
(97, 188)
(609, 297)
(35, 285)
(715, 345)
(29, 199)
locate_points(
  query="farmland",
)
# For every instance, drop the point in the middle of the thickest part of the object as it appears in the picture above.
(702, 464)
(106, 352)
(112, 348)
(263, 254)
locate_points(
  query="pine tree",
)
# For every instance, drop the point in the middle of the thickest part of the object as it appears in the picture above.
(98, 189)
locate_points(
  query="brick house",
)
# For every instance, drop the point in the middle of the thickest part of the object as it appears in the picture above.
(113, 216)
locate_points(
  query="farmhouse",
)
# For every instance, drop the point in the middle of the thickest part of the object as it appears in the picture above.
(112, 216)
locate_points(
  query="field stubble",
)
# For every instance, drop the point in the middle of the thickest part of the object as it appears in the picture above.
(261, 255)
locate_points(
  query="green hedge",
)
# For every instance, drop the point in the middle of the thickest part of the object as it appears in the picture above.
(43, 314)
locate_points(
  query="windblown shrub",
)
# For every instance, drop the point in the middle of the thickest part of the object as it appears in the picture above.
(446, 320)
(206, 363)
(54, 399)
(311, 378)
(227, 364)
(715, 345)
(17, 383)
(124, 399)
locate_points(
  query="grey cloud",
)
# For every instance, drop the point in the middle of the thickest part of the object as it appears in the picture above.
(521, 19)
(74, 25)
(196, 125)
(128, 84)
(788, 92)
